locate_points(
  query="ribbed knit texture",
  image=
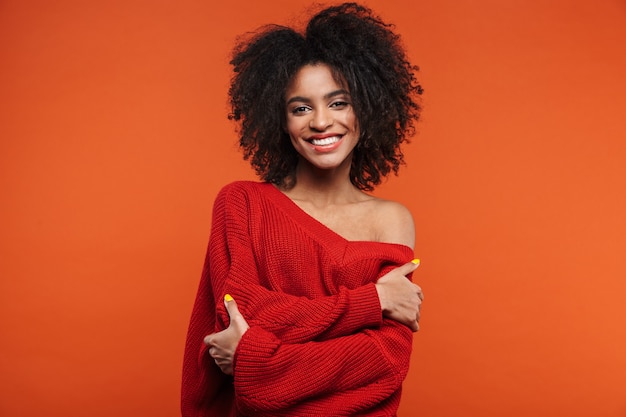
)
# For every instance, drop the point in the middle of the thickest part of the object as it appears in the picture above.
(317, 344)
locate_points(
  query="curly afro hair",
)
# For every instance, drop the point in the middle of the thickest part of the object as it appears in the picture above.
(363, 53)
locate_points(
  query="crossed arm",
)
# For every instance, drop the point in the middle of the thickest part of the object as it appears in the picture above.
(400, 300)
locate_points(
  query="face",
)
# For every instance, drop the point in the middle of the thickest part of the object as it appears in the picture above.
(320, 118)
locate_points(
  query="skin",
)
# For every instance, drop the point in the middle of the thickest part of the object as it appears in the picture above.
(324, 130)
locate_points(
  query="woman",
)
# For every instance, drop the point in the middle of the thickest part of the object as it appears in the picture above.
(304, 307)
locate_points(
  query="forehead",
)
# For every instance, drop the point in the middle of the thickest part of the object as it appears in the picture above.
(315, 79)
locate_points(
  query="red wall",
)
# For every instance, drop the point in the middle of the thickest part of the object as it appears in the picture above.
(114, 141)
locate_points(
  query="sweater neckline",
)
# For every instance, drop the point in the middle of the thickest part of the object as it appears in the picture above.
(318, 227)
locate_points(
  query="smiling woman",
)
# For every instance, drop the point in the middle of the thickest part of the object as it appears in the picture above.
(114, 140)
(323, 115)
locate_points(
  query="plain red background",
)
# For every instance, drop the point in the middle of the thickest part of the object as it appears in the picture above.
(114, 141)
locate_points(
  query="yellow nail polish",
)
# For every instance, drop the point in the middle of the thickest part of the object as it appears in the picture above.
(416, 261)
(228, 298)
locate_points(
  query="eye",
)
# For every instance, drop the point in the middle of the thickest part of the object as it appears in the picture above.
(299, 110)
(339, 104)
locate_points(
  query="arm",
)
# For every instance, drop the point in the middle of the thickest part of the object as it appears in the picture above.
(205, 390)
(367, 368)
(273, 376)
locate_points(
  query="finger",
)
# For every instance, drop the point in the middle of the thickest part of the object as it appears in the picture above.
(409, 267)
(231, 306)
(419, 292)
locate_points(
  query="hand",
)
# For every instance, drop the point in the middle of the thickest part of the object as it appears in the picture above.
(400, 299)
(224, 344)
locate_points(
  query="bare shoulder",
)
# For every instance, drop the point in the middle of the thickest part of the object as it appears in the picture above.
(394, 223)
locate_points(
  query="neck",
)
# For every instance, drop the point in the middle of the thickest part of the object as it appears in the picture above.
(323, 187)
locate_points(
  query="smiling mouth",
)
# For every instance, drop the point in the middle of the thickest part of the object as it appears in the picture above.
(325, 141)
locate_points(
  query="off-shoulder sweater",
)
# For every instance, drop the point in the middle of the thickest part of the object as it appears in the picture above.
(318, 344)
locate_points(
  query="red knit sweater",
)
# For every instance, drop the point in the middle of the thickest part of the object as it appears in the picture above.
(317, 344)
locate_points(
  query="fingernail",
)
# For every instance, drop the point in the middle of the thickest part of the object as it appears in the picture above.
(416, 261)
(228, 298)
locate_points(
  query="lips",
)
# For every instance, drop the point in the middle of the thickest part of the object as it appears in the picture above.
(325, 143)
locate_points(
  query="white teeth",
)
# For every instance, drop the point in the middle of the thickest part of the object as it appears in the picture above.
(325, 141)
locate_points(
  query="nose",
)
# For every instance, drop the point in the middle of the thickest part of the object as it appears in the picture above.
(321, 120)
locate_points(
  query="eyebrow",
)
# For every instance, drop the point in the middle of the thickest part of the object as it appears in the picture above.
(326, 97)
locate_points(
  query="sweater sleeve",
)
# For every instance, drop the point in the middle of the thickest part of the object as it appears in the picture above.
(290, 318)
(205, 390)
(366, 368)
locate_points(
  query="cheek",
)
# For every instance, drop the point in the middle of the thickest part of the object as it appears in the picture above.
(289, 123)
(293, 127)
(351, 120)
(292, 133)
